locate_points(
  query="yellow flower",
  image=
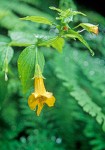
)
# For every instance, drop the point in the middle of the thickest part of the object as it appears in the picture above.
(89, 27)
(94, 29)
(40, 96)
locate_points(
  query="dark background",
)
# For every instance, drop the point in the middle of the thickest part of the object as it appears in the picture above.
(98, 5)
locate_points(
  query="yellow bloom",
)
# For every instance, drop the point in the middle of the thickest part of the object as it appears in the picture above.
(40, 96)
(89, 27)
(94, 29)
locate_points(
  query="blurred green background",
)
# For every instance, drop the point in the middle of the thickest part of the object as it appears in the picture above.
(77, 121)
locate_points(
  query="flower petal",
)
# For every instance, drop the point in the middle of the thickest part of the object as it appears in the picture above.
(39, 86)
(40, 106)
(50, 101)
(32, 102)
(47, 94)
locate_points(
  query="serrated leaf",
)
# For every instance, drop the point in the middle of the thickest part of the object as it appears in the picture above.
(80, 38)
(80, 85)
(90, 107)
(21, 38)
(38, 19)
(26, 67)
(56, 42)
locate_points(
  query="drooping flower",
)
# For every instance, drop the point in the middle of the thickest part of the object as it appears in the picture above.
(40, 96)
(89, 27)
(94, 29)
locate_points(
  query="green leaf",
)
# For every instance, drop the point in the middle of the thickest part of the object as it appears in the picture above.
(38, 19)
(6, 54)
(56, 42)
(78, 83)
(75, 34)
(26, 67)
(88, 105)
(54, 8)
(78, 13)
(47, 42)
(3, 13)
(4, 38)
(22, 38)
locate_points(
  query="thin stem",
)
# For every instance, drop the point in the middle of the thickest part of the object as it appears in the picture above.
(38, 72)
(81, 30)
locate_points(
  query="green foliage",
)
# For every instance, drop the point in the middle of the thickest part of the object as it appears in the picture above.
(80, 94)
(3, 13)
(76, 79)
(67, 4)
(80, 83)
(21, 38)
(3, 88)
(26, 67)
(56, 42)
(6, 54)
(89, 106)
(37, 19)
(65, 17)
(74, 34)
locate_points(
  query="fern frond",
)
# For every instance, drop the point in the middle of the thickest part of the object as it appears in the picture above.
(73, 84)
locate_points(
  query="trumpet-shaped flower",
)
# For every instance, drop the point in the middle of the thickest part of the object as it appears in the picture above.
(89, 27)
(40, 96)
(94, 29)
